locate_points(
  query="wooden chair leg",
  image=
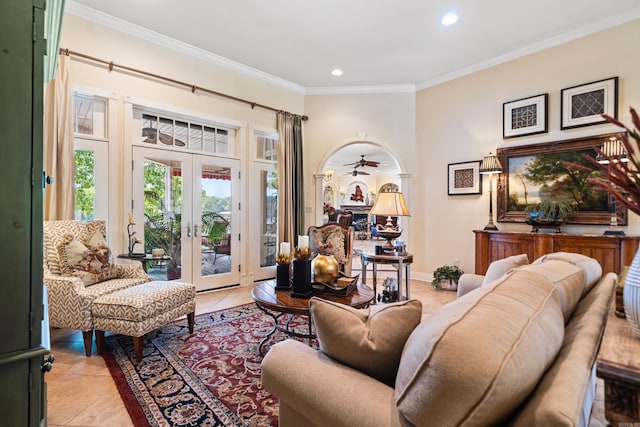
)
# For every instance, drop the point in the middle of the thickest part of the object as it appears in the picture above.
(191, 321)
(100, 341)
(138, 343)
(87, 337)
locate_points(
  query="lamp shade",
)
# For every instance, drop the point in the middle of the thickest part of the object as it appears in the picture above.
(490, 164)
(614, 151)
(390, 204)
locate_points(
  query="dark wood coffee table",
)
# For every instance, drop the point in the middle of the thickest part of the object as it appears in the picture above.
(276, 304)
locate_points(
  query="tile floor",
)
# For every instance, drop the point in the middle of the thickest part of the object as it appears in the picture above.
(81, 392)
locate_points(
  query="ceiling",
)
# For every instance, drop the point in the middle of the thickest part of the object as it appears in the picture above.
(376, 43)
(380, 45)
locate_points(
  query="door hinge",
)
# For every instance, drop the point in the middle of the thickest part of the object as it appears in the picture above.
(239, 206)
(132, 164)
(131, 204)
(238, 237)
(239, 174)
(239, 268)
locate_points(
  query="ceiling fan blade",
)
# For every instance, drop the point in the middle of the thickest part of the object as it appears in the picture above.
(363, 173)
(372, 163)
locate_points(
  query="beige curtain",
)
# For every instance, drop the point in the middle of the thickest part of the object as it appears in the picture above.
(58, 145)
(290, 179)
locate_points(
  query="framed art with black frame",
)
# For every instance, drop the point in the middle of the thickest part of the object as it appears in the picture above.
(526, 116)
(584, 105)
(464, 178)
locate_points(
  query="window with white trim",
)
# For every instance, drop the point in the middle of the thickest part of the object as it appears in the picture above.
(91, 157)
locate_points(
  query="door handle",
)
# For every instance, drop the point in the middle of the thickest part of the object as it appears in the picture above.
(195, 230)
(188, 230)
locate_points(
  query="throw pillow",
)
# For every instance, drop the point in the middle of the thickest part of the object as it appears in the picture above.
(369, 340)
(590, 267)
(328, 241)
(90, 264)
(500, 267)
(476, 359)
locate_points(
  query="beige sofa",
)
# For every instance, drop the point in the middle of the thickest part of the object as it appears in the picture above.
(519, 350)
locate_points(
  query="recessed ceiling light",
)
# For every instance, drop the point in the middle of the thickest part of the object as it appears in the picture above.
(337, 72)
(449, 19)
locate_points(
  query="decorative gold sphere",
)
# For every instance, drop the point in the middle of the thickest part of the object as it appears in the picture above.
(325, 269)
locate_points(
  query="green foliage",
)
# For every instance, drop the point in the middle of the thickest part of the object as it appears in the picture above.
(164, 232)
(85, 185)
(449, 272)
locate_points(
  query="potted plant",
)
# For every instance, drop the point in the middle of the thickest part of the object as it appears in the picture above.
(446, 277)
(548, 214)
(164, 232)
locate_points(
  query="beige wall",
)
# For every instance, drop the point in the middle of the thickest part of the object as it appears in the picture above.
(461, 120)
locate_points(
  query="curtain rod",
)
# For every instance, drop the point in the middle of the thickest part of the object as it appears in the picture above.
(192, 87)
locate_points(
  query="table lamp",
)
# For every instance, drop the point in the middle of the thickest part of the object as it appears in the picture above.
(613, 151)
(490, 165)
(389, 204)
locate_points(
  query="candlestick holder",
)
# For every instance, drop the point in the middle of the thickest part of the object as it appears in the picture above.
(301, 285)
(283, 277)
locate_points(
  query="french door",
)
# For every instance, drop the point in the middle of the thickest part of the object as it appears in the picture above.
(187, 205)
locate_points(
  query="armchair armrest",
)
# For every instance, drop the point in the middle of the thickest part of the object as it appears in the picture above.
(468, 282)
(325, 391)
(132, 271)
(68, 308)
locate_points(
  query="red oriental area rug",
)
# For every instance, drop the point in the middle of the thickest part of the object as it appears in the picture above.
(209, 378)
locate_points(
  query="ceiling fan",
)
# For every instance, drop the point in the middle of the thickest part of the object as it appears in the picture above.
(362, 163)
(356, 172)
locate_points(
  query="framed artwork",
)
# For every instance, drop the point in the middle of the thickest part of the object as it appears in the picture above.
(526, 116)
(583, 105)
(464, 178)
(537, 172)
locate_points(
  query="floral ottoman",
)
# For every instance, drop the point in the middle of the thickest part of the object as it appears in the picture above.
(143, 308)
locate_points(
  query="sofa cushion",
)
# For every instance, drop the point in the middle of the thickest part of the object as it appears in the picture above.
(500, 267)
(567, 278)
(368, 340)
(591, 268)
(476, 359)
(560, 395)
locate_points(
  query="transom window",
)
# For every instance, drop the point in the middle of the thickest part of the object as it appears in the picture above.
(182, 134)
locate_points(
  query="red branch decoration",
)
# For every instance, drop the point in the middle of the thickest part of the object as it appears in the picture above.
(620, 179)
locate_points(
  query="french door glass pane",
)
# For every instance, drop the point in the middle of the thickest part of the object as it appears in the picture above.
(163, 215)
(216, 219)
(269, 186)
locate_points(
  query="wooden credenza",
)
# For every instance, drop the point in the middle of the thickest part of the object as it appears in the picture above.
(612, 252)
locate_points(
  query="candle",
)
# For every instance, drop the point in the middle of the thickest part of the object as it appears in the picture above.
(285, 248)
(303, 241)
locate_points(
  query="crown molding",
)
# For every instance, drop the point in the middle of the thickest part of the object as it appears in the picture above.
(137, 31)
(357, 90)
(566, 37)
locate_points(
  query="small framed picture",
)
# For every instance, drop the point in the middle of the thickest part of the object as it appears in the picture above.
(526, 116)
(583, 105)
(465, 178)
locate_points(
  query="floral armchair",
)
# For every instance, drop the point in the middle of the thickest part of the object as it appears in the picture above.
(333, 239)
(78, 268)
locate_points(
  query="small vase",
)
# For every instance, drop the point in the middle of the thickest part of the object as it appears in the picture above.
(325, 218)
(631, 295)
(325, 269)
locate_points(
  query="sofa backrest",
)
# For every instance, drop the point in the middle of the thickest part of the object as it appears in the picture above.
(476, 359)
(54, 234)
